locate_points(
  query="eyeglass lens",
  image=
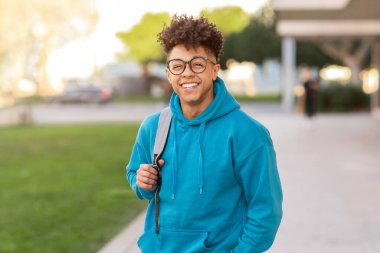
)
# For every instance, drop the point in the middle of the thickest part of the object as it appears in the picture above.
(178, 66)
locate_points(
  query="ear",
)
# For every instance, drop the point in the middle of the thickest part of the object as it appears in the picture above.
(215, 71)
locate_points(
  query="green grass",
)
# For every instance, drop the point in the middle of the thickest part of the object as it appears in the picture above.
(63, 188)
(31, 100)
(275, 97)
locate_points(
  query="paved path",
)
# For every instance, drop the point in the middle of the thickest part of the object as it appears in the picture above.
(125, 241)
(113, 112)
(330, 170)
(331, 180)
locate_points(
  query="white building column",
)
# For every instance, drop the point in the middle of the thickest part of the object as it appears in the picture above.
(375, 62)
(288, 72)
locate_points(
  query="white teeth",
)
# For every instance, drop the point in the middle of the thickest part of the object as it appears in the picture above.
(189, 85)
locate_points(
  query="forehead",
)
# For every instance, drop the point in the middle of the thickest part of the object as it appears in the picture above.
(180, 51)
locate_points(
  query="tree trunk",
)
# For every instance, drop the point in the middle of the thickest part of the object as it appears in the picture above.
(146, 78)
(345, 53)
(43, 86)
(355, 67)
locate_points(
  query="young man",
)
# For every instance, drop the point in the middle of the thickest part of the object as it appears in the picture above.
(220, 189)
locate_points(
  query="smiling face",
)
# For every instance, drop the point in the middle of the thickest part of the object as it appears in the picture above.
(195, 90)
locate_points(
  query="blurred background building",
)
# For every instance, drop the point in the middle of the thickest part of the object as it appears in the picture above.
(346, 30)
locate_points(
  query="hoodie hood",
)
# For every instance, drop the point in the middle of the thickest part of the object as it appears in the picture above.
(222, 104)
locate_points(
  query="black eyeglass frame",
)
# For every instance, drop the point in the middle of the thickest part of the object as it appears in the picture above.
(189, 63)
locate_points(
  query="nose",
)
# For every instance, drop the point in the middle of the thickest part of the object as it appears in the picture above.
(187, 71)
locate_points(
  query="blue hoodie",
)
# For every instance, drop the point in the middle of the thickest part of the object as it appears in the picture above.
(221, 190)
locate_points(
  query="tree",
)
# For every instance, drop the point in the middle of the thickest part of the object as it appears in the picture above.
(308, 53)
(352, 53)
(255, 43)
(228, 19)
(42, 26)
(141, 42)
(259, 41)
(141, 39)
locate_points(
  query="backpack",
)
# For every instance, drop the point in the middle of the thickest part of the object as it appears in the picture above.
(159, 147)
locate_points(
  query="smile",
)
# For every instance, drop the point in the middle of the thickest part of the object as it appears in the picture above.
(189, 85)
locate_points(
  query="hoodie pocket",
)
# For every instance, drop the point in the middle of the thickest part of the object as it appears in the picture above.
(174, 240)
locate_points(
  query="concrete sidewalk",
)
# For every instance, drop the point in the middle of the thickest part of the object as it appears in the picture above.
(126, 240)
(330, 171)
(108, 113)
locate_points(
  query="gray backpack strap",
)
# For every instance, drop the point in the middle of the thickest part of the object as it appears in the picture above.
(159, 146)
(162, 134)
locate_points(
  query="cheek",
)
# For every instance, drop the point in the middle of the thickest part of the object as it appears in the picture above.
(173, 80)
(174, 83)
(212, 74)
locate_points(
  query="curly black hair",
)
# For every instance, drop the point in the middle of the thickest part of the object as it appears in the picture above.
(191, 33)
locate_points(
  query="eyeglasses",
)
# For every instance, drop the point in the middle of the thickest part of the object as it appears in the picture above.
(198, 64)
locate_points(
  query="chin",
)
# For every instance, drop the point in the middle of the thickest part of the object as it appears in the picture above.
(191, 97)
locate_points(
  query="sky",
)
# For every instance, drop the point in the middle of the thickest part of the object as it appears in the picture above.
(120, 15)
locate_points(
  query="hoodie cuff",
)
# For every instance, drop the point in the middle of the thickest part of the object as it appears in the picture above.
(146, 194)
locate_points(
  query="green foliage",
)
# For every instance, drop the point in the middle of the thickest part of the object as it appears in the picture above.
(228, 19)
(63, 188)
(259, 41)
(338, 98)
(255, 43)
(141, 40)
(307, 53)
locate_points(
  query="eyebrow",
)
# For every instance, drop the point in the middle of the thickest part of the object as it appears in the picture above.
(200, 56)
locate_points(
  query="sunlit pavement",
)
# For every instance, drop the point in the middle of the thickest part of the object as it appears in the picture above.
(80, 113)
(113, 112)
(330, 171)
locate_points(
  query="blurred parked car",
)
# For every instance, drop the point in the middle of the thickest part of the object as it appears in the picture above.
(89, 94)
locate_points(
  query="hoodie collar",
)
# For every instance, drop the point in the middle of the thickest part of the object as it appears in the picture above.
(222, 104)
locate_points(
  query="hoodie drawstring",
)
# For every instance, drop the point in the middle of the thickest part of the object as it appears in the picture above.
(200, 167)
(175, 159)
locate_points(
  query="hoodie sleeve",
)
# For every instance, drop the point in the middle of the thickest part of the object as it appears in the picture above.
(139, 156)
(258, 175)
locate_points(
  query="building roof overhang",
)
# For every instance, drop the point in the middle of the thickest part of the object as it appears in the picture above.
(281, 5)
(327, 18)
(329, 28)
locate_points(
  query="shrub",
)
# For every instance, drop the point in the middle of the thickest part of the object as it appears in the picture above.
(338, 98)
